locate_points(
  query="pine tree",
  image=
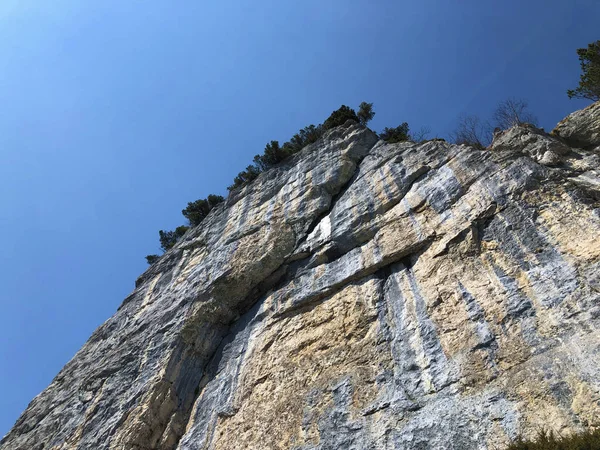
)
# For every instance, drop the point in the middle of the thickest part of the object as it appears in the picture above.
(365, 113)
(589, 83)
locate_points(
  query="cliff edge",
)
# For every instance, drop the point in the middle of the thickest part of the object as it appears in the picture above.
(360, 295)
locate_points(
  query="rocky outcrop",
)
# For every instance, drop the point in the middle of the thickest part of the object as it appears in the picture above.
(582, 128)
(361, 295)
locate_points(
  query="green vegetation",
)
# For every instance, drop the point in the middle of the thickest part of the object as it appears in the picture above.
(589, 440)
(274, 153)
(195, 213)
(306, 136)
(151, 259)
(271, 156)
(365, 113)
(339, 117)
(244, 177)
(198, 210)
(470, 130)
(589, 83)
(398, 134)
(169, 238)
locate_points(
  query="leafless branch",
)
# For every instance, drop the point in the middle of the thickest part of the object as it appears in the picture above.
(421, 135)
(512, 112)
(470, 130)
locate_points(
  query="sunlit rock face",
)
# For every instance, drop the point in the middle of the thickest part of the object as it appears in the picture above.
(362, 295)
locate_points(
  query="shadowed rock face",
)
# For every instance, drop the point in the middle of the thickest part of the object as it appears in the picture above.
(362, 295)
(582, 128)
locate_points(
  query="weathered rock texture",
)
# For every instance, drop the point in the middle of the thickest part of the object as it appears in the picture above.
(360, 296)
(582, 128)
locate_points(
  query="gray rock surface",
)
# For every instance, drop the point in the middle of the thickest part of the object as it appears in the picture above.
(582, 128)
(361, 295)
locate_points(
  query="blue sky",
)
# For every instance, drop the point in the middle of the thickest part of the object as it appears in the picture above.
(117, 113)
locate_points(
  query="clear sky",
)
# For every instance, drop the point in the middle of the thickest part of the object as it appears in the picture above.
(114, 114)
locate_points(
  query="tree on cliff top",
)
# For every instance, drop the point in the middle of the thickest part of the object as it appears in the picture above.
(512, 112)
(340, 116)
(397, 134)
(151, 259)
(196, 211)
(365, 113)
(589, 83)
(274, 153)
(169, 238)
(470, 130)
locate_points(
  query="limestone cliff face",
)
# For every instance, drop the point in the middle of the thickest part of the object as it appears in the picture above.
(361, 296)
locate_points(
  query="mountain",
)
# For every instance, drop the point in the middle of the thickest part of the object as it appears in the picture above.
(360, 295)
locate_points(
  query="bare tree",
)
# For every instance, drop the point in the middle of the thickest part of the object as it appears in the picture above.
(512, 112)
(420, 135)
(470, 130)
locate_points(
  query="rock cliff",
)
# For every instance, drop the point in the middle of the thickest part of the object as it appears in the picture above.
(361, 295)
